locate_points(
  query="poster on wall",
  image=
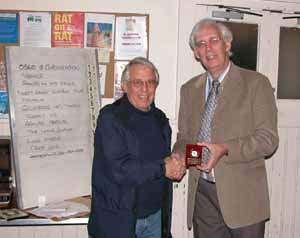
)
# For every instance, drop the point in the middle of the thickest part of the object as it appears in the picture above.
(67, 29)
(3, 93)
(9, 28)
(103, 56)
(131, 37)
(99, 31)
(119, 67)
(35, 29)
(102, 78)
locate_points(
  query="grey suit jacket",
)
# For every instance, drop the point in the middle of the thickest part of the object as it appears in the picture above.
(246, 120)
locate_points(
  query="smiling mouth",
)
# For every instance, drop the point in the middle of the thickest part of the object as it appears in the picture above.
(143, 97)
(210, 57)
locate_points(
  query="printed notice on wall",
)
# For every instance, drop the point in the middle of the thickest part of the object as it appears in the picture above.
(119, 68)
(99, 30)
(35, 29)
(102, 78)
(51, 131)
(3, 93)
(67, 29)
(9, 28)
(131, 37)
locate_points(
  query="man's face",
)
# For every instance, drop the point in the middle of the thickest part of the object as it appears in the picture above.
(212, 50)
(141, 87)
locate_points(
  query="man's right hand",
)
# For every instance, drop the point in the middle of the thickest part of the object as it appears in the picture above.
(175, 167)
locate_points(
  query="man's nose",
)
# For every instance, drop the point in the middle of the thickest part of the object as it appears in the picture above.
(208, 45)
(145, 86)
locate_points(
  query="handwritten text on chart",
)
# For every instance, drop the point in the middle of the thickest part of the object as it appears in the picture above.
(49, 107)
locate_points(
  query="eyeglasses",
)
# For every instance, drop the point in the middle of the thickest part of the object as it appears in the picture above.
(211, 41)
(140, 83)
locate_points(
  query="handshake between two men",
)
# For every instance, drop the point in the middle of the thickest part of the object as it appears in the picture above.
(175, 167)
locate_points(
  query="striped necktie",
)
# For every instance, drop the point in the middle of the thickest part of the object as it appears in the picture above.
(205, 129)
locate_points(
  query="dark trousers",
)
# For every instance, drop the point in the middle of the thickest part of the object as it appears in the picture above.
(208, 221)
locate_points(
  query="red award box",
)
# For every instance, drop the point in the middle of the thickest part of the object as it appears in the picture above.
(193, 154)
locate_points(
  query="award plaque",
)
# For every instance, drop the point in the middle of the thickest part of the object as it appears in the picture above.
(193, 154)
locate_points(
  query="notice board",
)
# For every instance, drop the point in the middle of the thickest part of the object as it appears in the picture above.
(118, 37)
(51, 121)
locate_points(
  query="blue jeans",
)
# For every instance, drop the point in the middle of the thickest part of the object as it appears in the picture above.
(149, 227)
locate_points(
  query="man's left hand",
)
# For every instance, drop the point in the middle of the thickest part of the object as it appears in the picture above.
(217, 151)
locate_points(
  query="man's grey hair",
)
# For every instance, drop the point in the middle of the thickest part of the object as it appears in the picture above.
(224, 30)
(139, 61)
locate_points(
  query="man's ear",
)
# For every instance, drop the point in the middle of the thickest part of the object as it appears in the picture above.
(228, 46)
(124, 86)
(196, 55)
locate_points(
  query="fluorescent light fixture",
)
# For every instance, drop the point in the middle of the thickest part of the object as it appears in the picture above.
(228, 15)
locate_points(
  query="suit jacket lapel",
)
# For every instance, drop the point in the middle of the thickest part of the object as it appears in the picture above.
(231, 83)
(231, 91)
(198, 103)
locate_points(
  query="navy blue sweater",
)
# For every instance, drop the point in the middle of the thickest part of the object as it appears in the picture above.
(153, 148)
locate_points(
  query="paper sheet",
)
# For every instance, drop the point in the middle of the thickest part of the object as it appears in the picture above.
(63, 209)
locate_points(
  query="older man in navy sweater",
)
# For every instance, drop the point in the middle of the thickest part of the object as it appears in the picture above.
(132, 167)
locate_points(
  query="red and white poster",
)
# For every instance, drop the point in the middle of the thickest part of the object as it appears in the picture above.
(67, 29)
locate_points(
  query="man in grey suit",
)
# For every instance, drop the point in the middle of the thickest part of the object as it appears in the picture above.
(228, 194)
